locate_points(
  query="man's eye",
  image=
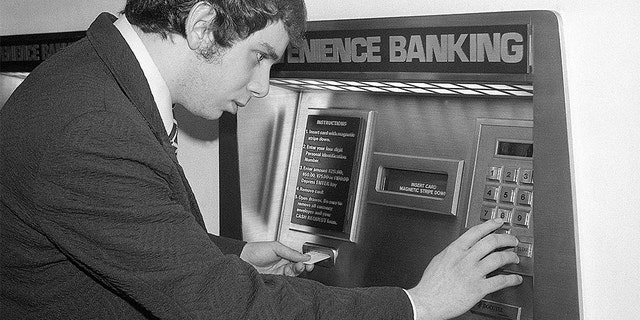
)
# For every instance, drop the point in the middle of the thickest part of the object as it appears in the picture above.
(261, 56)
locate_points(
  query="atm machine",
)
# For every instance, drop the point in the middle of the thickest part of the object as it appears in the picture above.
(387, 138)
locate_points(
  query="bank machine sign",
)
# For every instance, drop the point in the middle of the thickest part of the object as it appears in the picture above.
(22, 53)
(502, 49)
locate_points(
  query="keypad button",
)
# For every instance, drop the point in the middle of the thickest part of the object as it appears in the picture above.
(506, 194)
(521, 218)
(504, 214)
(494, 173)
(526, 176)
(525, 197)
(510, 174)
(487, 213)
(491, 193)
(524, 249)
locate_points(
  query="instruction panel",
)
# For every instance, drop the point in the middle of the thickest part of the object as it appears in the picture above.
(325, 171)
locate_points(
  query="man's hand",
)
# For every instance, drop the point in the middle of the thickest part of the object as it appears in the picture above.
(275, 258)
(456, 278)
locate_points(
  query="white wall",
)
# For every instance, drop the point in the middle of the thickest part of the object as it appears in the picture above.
(603, 74)
(37, 16)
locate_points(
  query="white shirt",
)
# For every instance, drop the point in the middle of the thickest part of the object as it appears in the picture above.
(159, 89)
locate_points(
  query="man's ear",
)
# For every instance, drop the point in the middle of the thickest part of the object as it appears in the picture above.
(197, 24)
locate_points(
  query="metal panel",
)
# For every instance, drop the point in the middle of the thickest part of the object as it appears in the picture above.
(556, 288)
(396, 244)
(265, 132)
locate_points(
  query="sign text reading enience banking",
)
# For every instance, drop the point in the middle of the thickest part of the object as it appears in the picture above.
(483, 49)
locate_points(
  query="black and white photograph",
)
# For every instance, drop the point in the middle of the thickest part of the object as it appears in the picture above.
(307, 159)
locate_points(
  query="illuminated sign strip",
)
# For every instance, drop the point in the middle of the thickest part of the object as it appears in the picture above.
(413, 87)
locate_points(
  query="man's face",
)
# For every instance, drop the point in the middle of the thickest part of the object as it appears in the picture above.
(235, 76)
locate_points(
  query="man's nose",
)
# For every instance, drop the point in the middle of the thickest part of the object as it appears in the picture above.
(259, 85)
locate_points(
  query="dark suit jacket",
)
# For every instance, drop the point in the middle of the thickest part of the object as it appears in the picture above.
(98, 220)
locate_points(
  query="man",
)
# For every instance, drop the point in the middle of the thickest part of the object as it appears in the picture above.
(98, 220)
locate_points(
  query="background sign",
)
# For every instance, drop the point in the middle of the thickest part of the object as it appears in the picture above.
(501, 49)
(22, 53)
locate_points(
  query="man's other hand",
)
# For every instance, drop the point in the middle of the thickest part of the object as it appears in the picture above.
(456, 278)
(273, 257)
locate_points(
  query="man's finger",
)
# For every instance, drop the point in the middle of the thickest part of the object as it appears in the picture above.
(289, 254)
(473, 235)
(289, 270)
(501, 281)
(309, 267)
(299, 268)
(491, 243)
(497, 260)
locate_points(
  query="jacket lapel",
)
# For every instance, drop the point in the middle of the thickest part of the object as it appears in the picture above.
(122, 63)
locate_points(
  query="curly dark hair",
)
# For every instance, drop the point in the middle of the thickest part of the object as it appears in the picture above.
(234, 20)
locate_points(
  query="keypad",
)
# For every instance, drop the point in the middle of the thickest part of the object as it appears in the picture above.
(508, 194)
(503, 187)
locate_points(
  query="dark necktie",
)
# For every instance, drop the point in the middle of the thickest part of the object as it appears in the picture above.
(173, 136)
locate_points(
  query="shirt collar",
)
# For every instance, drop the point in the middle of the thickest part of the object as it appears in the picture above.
(158, 86)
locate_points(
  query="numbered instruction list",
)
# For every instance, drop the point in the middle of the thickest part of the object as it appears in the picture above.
(325, 172)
